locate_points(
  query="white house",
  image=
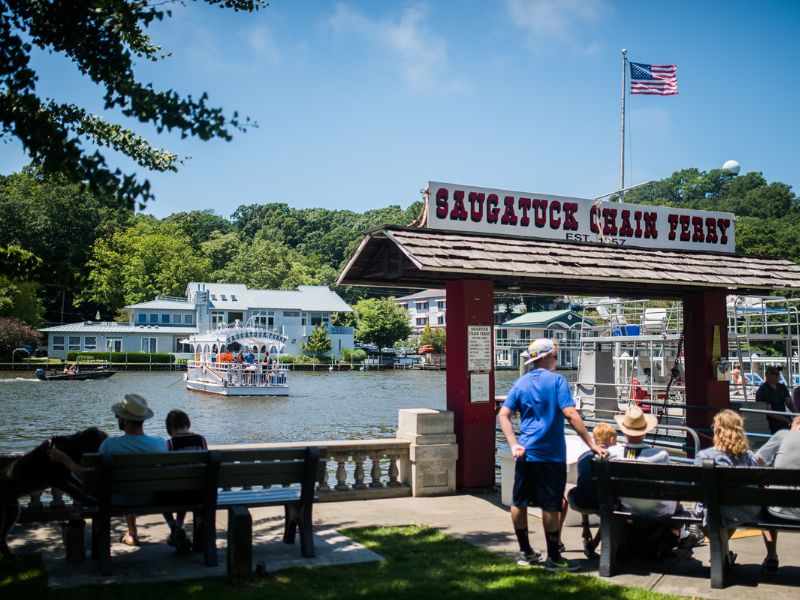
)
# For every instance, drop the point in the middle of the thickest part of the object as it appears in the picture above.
(512, 337)
(427, 307)
(160, 325)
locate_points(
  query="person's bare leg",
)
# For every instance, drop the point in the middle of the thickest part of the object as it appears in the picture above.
(519, 518)
(770, 537)
(133, 532)
(562, 516)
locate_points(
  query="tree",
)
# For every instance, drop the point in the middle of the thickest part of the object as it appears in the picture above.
(220, 248)
(380, 321)
(318, 343)
(433, 337)
(14, 333)
(104, 40)
(200, 225)
(140, 262)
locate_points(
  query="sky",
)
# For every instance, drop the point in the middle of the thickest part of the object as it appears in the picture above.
(360, 103)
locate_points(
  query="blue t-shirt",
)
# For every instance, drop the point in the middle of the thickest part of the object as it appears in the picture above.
(539, 397)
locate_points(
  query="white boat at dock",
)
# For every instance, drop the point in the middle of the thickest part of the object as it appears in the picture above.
(216, 370)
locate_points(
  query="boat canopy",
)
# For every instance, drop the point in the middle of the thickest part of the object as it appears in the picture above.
(248, 335)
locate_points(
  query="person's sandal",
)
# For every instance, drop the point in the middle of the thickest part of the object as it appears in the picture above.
(770, 565)
(128, 540)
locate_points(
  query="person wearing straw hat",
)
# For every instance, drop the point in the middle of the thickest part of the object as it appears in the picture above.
(635, 424)
(543, 400)
(131, 414)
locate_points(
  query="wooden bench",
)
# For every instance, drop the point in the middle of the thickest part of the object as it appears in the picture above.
(154, 483)
(731, 487)
(715, 486)
(191, 481)
(640, 480)
(242, 471)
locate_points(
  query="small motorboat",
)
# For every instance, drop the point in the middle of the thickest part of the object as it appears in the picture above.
(100, 372)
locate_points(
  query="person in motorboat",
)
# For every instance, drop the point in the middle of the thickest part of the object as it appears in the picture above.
(542, 398)
(777, 398)
(71, 369)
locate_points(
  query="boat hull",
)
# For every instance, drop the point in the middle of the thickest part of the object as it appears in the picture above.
(88, 376)
(208, 387)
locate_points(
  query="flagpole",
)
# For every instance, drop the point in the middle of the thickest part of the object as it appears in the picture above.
(622, 129)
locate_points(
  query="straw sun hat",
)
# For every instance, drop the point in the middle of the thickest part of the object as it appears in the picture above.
(635, 422)
(132, 408)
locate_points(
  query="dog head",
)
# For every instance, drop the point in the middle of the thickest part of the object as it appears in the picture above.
(78, 444)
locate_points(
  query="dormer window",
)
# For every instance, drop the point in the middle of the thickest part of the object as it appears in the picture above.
(224, 298)
(233, 297)
(214, 297)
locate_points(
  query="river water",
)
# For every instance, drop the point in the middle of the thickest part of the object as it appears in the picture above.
(323, 405)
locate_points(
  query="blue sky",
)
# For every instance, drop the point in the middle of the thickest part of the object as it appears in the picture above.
(360, 103)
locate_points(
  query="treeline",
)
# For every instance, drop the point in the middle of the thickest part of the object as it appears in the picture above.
(67, 255)
(82, 257)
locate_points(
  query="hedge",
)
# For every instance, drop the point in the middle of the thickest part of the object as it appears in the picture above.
(123, 357)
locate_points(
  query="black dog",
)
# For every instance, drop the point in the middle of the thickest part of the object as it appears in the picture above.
(35, 471)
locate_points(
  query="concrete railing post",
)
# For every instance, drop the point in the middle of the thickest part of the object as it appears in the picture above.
(431, 468)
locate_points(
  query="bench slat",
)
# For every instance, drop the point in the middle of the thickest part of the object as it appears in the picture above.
(129, 460)
(732, 476)
(664, 472)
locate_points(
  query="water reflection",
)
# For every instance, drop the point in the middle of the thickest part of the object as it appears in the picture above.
(322, 405)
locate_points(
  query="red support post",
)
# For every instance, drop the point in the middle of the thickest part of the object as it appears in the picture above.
(702, 312)
(470, 303)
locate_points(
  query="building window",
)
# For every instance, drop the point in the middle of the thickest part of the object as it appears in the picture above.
(187, 319)
(182, 347)
(440, 304)
(165, 319)
(303, 320)
(214, 297)
(149, 344)
(114, 344)
(422, 321)
(422, 305)
(217, 317)
(440, 320)
(153, 319)
(90, 342)
(58, 342)
(404, 305)
(141, 319)
(262, 320)
(233, 297)
(316, 320)
(525, 335)
(224, 297)
(501, 335)
(291, 313)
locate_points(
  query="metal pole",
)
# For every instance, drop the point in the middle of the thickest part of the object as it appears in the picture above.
(622, 128)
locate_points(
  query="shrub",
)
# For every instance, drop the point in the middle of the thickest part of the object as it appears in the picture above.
(353, 356)
(121, 357)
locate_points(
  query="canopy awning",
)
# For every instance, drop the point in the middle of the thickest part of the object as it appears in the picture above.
(426, 258)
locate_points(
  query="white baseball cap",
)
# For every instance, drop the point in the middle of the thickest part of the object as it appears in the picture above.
(539, 349)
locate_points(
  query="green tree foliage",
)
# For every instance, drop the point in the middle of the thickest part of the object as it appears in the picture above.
(200, 225)
(104, 40)
(220, 248)
(14, 333)
(318, 343)
(434, 336)
(140, 262)
(20, 299)
(767, 214)
(380, 321)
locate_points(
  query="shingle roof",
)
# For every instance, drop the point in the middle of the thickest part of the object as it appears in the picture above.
(92, 327)
(427, 258)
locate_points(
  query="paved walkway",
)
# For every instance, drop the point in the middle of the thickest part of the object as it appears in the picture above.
(479, 519)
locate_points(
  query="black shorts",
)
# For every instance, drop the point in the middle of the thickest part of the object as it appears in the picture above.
(539, 484)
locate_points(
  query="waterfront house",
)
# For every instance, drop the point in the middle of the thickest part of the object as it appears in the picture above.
(427, 307)
(162, 324)
(512, 337)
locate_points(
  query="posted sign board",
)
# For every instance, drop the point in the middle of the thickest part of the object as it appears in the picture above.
(478, 387)
(543, 216)
(479, 348)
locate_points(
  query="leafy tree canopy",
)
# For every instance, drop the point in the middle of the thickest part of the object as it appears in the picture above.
(434, 336)
(137, 264)
(380, 321)
(318, 343)
(200, 225)
(103, 40)
(14, 333)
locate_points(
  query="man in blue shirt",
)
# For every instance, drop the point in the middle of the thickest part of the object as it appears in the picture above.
(131, 414)
(543, 400)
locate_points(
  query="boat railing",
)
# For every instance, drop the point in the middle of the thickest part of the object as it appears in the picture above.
(239, 374)
(355, 470)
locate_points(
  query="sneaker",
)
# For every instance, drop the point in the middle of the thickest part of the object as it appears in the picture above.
(561, 564)
(525, 559)
(770, 565)
(693, 539)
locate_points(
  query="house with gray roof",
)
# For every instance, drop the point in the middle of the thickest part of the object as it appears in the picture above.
(512, 337)
(162, 325)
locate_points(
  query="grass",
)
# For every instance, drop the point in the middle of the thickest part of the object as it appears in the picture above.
(420, 562)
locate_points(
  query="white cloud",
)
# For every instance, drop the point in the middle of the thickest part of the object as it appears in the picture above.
(422, 56)
(554, 24)
(262, 42)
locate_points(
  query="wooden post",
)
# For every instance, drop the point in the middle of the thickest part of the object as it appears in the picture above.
(703, 311)
(240, 542)
(470, 303)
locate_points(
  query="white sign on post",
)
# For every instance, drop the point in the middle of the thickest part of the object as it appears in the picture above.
(479, 348)
(478, 387)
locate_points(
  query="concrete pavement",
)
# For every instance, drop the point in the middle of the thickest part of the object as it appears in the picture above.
(477, 518)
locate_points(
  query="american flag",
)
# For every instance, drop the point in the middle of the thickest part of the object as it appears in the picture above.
(661, 80)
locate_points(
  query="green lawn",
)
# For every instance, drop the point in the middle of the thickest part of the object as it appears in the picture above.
(420, 563)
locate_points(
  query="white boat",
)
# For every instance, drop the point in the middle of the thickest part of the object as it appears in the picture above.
(631, 352)
(215, 369)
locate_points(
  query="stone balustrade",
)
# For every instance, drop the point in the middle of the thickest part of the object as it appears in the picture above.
(420, 461)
